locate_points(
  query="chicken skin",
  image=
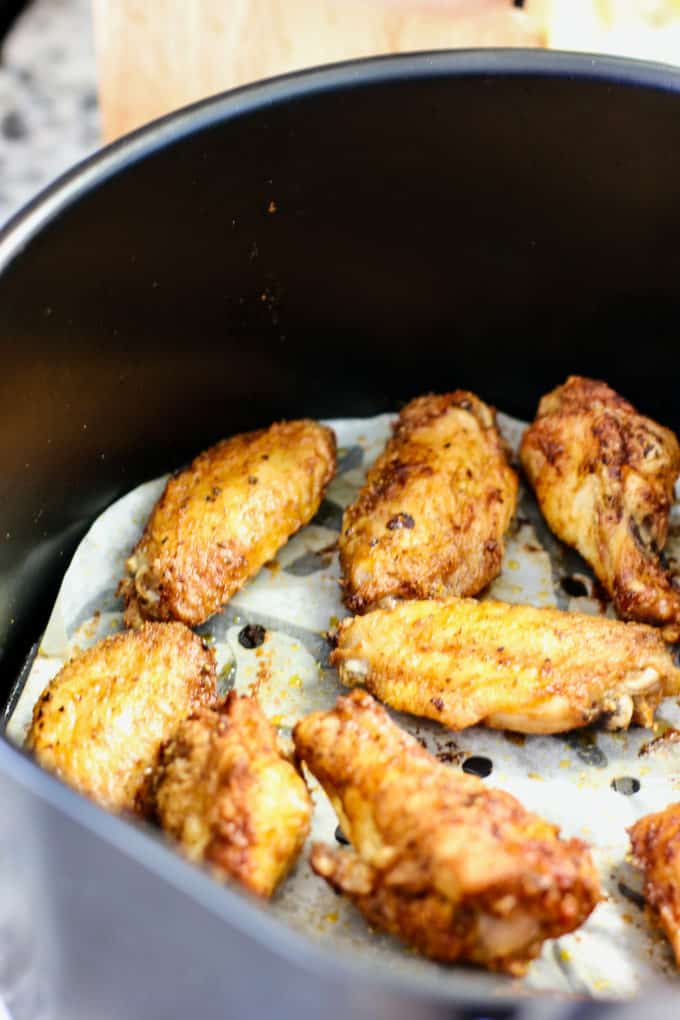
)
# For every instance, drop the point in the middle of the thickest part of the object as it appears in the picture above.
(451, 866)
(604, 478)
(431, 517)
(514, 667)
(100, 723)
(225, 792)
(223, 517)
(656, 849)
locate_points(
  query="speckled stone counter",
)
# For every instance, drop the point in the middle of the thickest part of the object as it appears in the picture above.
(48, 103)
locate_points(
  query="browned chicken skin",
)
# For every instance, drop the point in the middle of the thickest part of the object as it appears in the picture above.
(225, 792)
(656, 849)
(431, 517)
(464, 662)
(457, 869)
(223, 517)
(604, 478)
(100, 722)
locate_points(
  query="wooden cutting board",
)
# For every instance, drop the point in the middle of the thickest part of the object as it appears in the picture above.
(156, 57)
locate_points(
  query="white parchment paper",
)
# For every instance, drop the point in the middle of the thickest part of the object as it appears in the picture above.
(568, 779)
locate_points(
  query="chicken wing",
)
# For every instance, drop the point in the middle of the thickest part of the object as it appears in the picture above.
(457, 869)
(604, 478)
(226, 793)
(464, 662)
(100, 722)
(223, 517)
(431, 517)
(656, 849)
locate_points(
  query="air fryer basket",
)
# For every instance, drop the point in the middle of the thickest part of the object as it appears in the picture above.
(491, 220)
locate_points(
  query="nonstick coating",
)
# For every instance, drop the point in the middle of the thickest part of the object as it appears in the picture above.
(331, 244)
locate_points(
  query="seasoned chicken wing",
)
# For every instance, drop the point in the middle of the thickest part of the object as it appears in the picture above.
(656, 849)
(431, 517)
(100, 722)
(223, 517)
(464, 662)
(604, 478)
(457, 869)
(224, 790)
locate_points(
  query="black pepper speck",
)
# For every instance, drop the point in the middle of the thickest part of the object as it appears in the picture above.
(400, 521)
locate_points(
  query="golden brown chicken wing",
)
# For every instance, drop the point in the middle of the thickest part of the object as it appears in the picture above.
(464, 662)
(656, 849)
(431, 517)
(604, 478)
(226, 793)
(100, 722)
(223, 517)
(457, 869)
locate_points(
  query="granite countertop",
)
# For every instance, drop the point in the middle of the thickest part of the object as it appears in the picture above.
(48, 102)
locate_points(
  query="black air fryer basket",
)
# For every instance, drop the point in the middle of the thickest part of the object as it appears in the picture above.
(489, 220)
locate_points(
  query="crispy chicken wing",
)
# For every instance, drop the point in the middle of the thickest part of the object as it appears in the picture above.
(223, 517)
(224, 790)
(457, 869)
(604, 478)
(464, 662)
(100, 722)
(431, 517)
(656, 849)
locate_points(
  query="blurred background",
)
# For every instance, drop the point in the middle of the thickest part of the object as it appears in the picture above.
(77, 73)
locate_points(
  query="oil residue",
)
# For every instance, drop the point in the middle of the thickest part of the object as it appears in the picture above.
(519, 739)
(584, 743)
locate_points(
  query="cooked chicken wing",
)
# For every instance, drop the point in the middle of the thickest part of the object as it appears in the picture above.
(431, 517)
(656, 849)
(224, 790)
(223, 517)
(100, 722)
(457, 869)
(604, 478)
(512, 667)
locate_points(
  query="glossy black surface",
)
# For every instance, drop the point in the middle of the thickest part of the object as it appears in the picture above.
(329, 244)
